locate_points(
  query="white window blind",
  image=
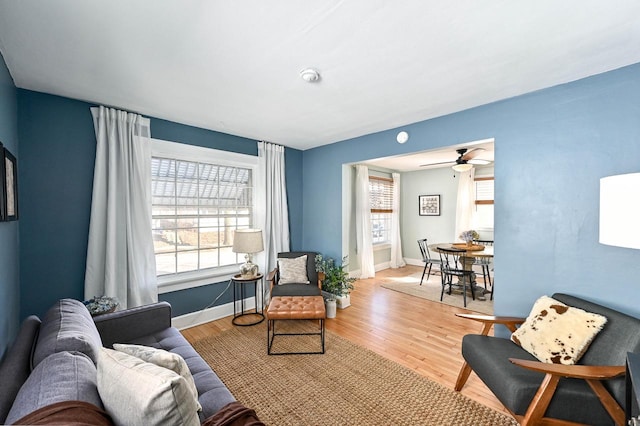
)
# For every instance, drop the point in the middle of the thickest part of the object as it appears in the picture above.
(484, 190)
(381, 202)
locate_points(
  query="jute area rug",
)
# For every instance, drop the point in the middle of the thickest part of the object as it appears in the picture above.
(348, 385)
(430, 290)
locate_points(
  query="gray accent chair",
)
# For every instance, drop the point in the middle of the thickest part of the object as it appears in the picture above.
(591, 392)
(312, 288)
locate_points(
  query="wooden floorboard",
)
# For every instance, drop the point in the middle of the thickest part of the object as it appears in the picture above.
(422, 335)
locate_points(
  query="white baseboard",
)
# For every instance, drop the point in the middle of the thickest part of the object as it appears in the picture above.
(415, 262)
(210, 314)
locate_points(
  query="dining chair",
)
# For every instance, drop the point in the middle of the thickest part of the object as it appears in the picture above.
(427, 259)
(452, 266)
(485, 264)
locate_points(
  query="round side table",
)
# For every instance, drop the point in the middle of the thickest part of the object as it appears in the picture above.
(239, 285)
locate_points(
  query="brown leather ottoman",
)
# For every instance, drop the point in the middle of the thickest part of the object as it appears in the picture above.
(294, 308)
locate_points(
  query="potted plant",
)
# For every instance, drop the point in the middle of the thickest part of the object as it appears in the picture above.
(335, 281)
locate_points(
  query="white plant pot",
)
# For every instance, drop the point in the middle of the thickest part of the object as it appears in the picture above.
(343, 301)
(331, 308)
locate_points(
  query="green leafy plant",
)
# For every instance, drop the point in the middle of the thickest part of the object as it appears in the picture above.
(335, 280)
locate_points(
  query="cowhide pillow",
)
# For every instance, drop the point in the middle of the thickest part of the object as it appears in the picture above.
(556, 333)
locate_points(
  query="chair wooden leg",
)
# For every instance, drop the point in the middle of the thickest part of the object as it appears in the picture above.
(428, 272)
(608, 402)
(541, 400)
(463, 376)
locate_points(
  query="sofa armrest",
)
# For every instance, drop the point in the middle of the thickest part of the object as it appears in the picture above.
(129, 324)
(488, 321)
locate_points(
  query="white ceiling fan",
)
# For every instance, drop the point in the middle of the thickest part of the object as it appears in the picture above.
(465, 161)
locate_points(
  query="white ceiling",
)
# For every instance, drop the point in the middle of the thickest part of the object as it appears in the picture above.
(233, 66)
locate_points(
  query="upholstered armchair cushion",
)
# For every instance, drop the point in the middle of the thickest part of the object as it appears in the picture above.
(310, 288)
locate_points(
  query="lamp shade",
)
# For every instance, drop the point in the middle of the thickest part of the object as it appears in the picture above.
(464, 167)
(247, 241)
(619, 210)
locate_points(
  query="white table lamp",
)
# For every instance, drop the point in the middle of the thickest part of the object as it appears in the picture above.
(247, 241)
(620, 210)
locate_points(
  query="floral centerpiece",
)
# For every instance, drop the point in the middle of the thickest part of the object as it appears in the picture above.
(336, 280)
(469, 236)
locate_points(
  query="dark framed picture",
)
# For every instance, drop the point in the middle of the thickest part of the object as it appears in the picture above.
(10, 185)
(429, 205)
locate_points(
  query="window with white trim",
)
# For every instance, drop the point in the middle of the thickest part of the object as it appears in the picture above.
(484, 202)
(200, 197)
(381, 202)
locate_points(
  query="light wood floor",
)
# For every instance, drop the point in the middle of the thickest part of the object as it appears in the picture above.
(417, 333)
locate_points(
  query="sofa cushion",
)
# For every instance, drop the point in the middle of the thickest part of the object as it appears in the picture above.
(162, 358)
(135, 392)
(293, 270)
(557, 333)
(59, 377)
(67, 326)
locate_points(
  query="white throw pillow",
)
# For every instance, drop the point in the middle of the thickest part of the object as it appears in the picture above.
(136, 392)
(162, 358)
(293, 270)
(556, 333)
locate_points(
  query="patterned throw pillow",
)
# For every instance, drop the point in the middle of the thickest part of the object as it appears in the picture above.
(556, 333)
(293, 270)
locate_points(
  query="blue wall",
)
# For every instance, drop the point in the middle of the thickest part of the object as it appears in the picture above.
(56, 177)
(9, 264)
(552, 147)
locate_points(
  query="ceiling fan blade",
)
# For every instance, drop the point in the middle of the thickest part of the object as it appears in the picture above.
(472, 153)
(479, 162)
(437, 164)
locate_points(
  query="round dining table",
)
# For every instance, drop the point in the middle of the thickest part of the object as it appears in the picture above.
(468, 259)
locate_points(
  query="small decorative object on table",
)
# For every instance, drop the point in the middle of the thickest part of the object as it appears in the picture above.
(101, 305)
(469, 236)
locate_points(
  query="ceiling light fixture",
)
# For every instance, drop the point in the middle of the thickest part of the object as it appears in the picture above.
(310, 75)
(462, 167)
(402, 137)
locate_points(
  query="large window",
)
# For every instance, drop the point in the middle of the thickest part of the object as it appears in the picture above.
(381, 201)
(198, 202)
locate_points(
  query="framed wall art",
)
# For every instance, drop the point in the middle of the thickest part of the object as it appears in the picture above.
(9, 170)
(429, 205)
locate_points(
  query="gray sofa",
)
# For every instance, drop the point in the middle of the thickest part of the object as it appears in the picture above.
(54, 360)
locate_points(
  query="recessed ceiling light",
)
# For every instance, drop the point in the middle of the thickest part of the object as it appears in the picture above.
(310, 75)
(402, 137)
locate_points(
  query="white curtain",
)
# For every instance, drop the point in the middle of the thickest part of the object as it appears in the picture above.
(120, 256)
(272, 213)
(397, 260)
(465, 202)
(364, 239)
